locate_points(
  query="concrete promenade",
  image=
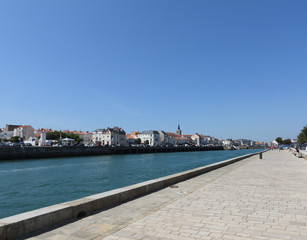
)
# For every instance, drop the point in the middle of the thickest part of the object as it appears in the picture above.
(251, 199)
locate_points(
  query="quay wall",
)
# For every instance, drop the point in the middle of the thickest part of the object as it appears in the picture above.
(13, 153)
(22, 224)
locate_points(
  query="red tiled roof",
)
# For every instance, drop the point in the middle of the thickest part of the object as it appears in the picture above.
(24, 126)
(45, 130)
(76, 132)
(172, 134)
(182, 138)
(129, 136)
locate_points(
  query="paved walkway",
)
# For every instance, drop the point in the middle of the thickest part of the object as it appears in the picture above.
(252, 199)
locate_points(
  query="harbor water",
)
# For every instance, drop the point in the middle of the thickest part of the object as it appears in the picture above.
(30, 184)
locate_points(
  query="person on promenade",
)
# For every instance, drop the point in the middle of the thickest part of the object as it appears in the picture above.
(296, 150)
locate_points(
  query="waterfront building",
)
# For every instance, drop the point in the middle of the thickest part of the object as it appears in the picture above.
(188, 136)
(24, 132)
(135, 134)
(163, 137)
(236, 143)
(228, 142)
(244, 142)
(152, 136)
(10, 127)
(85, 136)
(182, 140)
(111, 136)
(213, 141)
(38, 132)
(68, 141)
(6, 135)
(130, 139)
(196, 138)
(33, 141)
(172, 138)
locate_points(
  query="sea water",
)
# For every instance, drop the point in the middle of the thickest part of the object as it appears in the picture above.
(34, 183)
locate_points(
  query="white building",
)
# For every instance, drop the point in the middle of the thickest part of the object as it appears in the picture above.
(196, 138)
(84, 135)
(163, 137)
(6, 135)
(153, 137)
(32, 140)
(228, 142)
(172, 138)
(24, 132)
(110, 136)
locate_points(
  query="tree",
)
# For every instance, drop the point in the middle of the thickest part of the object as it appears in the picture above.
(287, 141)
(15, 139)
(76, 137)
(146, 142)
(56, 135)
(138, 141)
(302, 137)
(53, 135)
(279, 140)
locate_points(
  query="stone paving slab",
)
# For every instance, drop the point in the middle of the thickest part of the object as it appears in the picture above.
(251, 199)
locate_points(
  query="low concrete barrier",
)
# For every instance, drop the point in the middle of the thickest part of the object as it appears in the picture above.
(19, 225)
(303, 153)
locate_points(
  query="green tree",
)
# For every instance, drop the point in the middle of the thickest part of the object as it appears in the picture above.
(146, 142)
(287, 141)
(76, 137)
(53, 135)
(15, 139)
(302, 137)
(138, 141)
(56, 135)
(279, 140)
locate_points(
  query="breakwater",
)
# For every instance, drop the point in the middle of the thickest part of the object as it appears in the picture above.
(13, 153)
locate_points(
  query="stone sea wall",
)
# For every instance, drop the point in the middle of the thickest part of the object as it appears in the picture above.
(13, 153)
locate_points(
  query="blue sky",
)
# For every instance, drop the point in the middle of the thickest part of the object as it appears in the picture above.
(229, 69)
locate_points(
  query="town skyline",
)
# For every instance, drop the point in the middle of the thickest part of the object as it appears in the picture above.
(184, 132)
(15, 135)
(178, 131)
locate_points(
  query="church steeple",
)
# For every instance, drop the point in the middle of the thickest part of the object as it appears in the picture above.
(178, 132)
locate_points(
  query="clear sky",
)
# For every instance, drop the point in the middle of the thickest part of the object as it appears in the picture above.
(229, 69)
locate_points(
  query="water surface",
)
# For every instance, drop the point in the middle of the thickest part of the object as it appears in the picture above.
(30, 184)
